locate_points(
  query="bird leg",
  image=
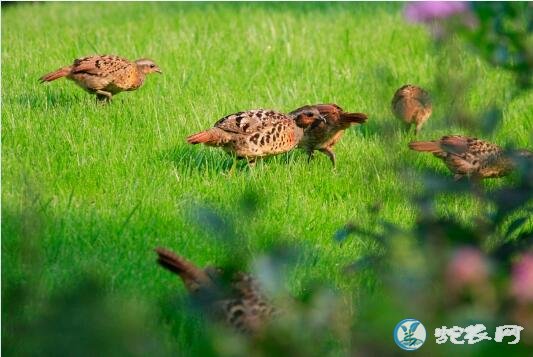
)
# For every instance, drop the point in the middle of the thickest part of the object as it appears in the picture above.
(406, 127)
(233, 165)
(330, 153)
(103, 95)
(417, 129)
(310, 155)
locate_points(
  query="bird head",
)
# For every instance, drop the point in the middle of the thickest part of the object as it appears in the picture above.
(524, 153)
(147, 66)
(522, 156)
(214, 273)
(329, 108)
(307, 115)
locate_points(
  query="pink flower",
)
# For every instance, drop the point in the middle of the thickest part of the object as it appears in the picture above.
(468, 266)
(522, 279)
(428, 11)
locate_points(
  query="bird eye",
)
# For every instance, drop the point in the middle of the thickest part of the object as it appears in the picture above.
(309, 114)
(152, 65)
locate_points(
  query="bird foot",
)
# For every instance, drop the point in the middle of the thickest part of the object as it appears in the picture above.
(330, 154)
(103, 96)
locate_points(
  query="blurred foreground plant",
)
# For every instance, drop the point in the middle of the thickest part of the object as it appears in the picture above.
(500, 32)
(81, 318)
(312, 324)
(445, 271)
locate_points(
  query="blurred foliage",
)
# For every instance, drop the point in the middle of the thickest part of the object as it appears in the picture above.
(314, 323)
(503, 36)
(82, 318)
(444, 271)
(500, 32)
(449, 273)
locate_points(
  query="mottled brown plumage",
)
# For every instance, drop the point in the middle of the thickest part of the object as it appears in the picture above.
(105, 75)
(240, 303)
(412, 104)
(257, 133)
(323, 135)
(470, 157)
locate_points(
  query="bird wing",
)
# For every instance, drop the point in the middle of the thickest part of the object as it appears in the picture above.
(455, 144)
(462, 164)
(470, 154)
(248, 309)
(250, 121)
(410, 92)
(485, 153)
(335, 114)
(396, 98)
(470, 148)
(100, 65)
(423, 98)
(481, 147)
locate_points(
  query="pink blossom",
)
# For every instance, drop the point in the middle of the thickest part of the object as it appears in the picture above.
(522, 279)
(428, 11)
(468, 266)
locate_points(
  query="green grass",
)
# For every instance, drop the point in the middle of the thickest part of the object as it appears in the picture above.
(112, 182)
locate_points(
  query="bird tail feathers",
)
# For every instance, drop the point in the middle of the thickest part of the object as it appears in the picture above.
(191, 275)
(203, 137)
(425, 146)
(172, 262)
(354, 117)
(52, 76)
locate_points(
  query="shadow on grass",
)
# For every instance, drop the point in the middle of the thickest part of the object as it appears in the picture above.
(48, 99)
(198, 159)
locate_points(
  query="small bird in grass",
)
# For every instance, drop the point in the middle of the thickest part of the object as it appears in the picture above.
(241, 304)
(412, 104)
(323, 135)
(470, 157)
(105, 75)
(257, 133)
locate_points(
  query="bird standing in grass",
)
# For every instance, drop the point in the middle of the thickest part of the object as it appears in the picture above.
(470, 157)
(239, 302)
(323, 135)
(412, 104)
(105, 75)
(257, 133)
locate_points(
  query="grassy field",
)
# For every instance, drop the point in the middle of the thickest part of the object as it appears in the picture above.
(109, 183)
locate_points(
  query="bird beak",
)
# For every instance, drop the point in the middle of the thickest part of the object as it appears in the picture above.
(159, 71)
(322, 118)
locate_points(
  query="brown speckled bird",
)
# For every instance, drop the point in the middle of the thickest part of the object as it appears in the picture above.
(470, 157)
(105, 75)
(241, 305)
(412, 104)
(257, 133)
(323, 135)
